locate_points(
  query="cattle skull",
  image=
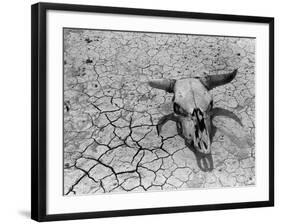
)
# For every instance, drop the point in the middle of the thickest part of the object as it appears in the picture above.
(193, 108)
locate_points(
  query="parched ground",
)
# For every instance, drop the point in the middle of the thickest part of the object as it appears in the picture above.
(110, 138)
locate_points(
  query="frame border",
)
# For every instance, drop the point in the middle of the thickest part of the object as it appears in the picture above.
(38, 110)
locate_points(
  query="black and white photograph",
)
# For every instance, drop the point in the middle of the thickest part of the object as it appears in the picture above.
(140, 111)
(121, 112)
(147, 111)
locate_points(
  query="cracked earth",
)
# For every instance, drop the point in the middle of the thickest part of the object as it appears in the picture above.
(110, 113)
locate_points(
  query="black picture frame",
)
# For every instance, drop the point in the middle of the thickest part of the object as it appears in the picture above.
(39, 108)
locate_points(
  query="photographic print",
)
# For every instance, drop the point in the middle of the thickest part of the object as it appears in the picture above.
(132, 106)
(157, 111)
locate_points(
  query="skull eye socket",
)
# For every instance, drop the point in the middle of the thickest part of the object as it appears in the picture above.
(179, 110)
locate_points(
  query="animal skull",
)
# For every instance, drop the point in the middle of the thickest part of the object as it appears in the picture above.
(193, 108)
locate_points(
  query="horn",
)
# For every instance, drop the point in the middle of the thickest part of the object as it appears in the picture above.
(213, 81)
(165, 84)
(217, 111)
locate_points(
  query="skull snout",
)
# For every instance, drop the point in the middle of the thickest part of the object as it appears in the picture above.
(201, 133)
(195, 128)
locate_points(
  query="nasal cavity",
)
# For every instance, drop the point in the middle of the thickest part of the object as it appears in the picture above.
(201, 134)
(198, 114)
